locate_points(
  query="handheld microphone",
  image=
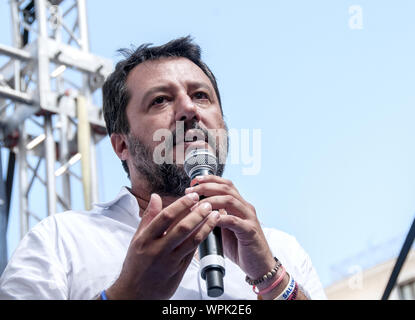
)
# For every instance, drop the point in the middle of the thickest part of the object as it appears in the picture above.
(200, 162)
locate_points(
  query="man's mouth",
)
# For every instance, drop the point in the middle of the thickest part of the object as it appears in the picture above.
(195, 144)
(185, 142)
(194, 138)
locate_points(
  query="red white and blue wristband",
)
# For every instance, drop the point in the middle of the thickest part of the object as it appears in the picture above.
(290, 291)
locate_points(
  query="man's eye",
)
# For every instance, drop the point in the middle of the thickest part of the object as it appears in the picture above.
(201, 95)
(158, 100)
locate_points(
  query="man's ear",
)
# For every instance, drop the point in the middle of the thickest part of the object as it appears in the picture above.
(119, 144)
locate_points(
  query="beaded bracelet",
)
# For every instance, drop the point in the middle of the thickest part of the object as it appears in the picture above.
(272, 286)
(266, 276)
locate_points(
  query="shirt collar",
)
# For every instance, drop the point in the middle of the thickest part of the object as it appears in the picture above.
(125, 199)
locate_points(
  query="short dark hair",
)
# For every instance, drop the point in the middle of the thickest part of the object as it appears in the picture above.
(114, 91)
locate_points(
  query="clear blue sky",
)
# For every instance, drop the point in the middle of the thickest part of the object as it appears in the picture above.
(335, 106)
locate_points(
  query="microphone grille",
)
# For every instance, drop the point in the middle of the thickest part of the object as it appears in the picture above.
(199, 159)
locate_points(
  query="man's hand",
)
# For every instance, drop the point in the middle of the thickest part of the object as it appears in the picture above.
(243, 239)
(162, 248)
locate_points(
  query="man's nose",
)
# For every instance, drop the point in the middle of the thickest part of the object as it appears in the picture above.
(187, 110)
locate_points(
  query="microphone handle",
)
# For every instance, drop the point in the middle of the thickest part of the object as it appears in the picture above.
(212, 263)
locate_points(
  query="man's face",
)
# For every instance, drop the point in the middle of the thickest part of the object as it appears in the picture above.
(168, 90)
(165, 94)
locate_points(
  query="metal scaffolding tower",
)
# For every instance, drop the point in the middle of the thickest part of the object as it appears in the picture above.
(48, 121)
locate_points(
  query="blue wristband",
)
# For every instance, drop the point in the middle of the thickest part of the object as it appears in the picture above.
(103, 295)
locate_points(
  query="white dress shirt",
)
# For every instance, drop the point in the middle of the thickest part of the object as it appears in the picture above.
(76, 255)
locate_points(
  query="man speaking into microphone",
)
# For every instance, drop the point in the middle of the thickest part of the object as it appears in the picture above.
(144, 243)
